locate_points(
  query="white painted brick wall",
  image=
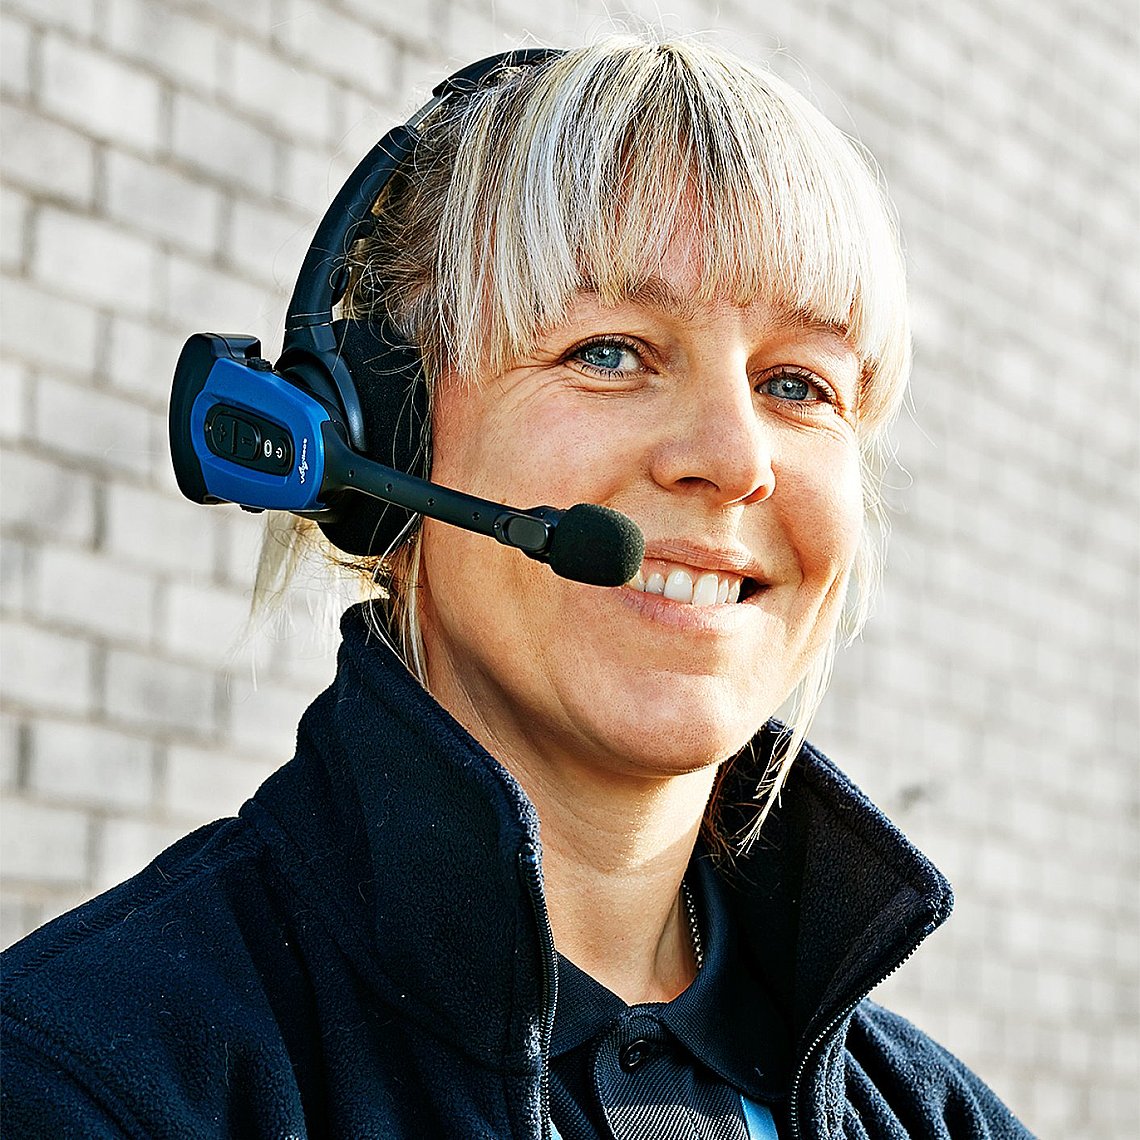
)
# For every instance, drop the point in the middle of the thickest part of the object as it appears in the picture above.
(204, 624)
(92, 766)
(42, 498)
(181, 46)
(14, 208)
(286, 98)
(47, 157)
(143, 692)
(255, 16)
(99, 93)
(10, 751)
(75, 15)
(43, 843)
(198, 779)
(46, 670)
(95, 260)
(93, 595)
(71, 344)
(164, 162)
(216, 299)
(269, 242)
(16, 381)
(141, 354)
(15, 58)
(98, 427)
(214, 139)
(337, 46)
(401, 24)
(125, 844)
(313, 175)
(156, 531)
(167, 204)
(273, 730)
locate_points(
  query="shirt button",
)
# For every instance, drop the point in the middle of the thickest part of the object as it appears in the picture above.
(634, 1055)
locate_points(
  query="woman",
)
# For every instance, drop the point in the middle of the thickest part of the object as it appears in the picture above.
(550, 869)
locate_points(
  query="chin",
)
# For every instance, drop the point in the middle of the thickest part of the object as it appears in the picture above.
(680, 732)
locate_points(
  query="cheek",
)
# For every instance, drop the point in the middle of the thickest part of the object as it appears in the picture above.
(459, 432)
(555, 451)
(485, 445)
(825, 512)
(472, 586)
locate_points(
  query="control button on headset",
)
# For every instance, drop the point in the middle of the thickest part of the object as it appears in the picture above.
(220, 432)
(247, 440)
(282, 453)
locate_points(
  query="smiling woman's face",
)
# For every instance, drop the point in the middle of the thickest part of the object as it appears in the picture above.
(727, 434)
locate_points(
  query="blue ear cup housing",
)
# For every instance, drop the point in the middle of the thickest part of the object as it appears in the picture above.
(242, 433)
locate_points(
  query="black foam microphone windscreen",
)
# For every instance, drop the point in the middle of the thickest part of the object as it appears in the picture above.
(596, 545)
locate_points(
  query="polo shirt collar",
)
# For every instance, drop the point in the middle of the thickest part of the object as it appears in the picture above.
(726, 1019)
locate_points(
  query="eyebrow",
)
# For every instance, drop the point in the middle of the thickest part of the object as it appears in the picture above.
(656, 293)
(803, 319)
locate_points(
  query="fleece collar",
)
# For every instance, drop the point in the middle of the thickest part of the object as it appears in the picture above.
(408, 839)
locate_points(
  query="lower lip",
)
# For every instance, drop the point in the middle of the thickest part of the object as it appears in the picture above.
(716, 619)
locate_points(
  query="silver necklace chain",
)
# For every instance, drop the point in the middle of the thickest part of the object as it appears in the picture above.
(694, 926)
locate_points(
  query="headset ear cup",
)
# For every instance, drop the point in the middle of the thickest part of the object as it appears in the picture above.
(388, 377)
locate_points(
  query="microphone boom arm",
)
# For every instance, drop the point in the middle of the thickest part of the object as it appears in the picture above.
(531, 531)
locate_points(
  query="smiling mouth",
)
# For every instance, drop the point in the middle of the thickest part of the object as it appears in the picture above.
(692, 585)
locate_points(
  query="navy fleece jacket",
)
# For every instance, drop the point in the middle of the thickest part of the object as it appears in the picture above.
(364, 952)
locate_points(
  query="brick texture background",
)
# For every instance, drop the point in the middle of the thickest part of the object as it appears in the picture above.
(164, 162)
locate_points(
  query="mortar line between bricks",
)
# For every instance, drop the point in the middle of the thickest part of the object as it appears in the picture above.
(24, 747)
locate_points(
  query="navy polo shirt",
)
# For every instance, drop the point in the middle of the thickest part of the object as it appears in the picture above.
(667, 1070)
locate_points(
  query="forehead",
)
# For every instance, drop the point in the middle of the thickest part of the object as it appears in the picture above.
(684, 279)
(678, 298)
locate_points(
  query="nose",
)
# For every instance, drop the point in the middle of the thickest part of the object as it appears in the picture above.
(716, 443)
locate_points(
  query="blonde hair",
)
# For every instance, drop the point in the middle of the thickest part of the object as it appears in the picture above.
(577, 173)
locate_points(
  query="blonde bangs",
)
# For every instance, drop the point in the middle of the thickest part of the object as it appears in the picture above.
(580, 174)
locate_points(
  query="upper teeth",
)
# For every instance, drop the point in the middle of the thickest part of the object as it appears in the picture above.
(686, 584)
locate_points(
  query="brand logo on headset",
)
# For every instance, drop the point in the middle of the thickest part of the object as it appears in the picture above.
(303, 466)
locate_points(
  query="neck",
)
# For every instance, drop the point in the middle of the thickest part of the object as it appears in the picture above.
(617, 837)
(613, 861)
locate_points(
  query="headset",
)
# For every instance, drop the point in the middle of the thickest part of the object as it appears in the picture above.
(331, 431)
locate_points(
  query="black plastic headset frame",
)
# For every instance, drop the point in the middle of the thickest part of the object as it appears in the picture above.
(323, 278)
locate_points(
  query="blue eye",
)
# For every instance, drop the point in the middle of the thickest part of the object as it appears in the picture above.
(609, 356)
(790, 386)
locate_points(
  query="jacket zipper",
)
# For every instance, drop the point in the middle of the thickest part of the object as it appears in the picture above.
(839, 1018)
(528, 859)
